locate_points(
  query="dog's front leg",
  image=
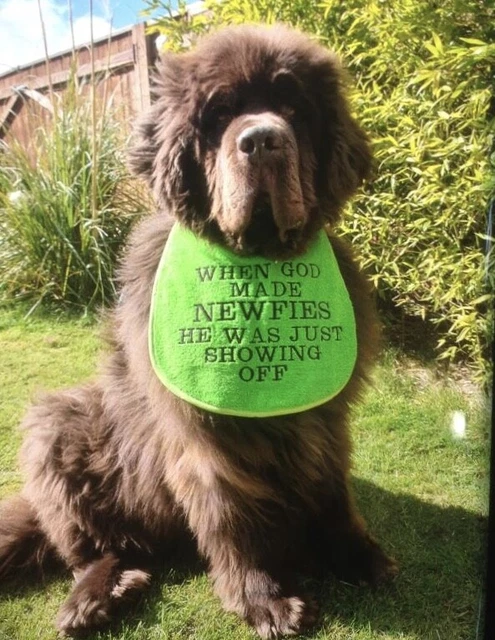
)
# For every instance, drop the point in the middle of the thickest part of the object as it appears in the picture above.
(246, 559)
(342, 543)
(258, 594)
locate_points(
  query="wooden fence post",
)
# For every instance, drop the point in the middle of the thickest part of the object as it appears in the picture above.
(142, 64)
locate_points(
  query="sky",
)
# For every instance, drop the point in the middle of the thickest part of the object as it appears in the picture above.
(21, 38)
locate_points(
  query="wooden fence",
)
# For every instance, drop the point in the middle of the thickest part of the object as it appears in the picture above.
(121, 62)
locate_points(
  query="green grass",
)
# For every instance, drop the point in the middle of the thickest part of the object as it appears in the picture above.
(422, 492)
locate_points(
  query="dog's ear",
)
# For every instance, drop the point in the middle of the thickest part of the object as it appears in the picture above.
(162, 150)
(144, 146)
(345, 156)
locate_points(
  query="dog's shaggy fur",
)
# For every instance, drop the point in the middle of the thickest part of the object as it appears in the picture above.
(249, 143)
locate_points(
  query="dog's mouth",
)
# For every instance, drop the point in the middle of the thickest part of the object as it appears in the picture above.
(262, 227)
(262, 234)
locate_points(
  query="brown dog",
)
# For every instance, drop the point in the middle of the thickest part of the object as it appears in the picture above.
(250, 144)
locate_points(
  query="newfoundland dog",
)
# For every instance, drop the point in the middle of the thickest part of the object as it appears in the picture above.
(249, 149)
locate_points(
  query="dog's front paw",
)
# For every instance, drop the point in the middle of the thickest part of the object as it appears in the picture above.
(383, 569)
(274, 617)
(360, 560)
(77, 616)
(94, 599)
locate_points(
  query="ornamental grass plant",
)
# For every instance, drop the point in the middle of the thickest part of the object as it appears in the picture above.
(66, 204)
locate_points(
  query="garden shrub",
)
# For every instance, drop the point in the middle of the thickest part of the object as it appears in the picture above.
(422, 85)
(66, 206)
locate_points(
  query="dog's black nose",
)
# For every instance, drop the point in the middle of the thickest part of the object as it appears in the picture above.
(259, 140)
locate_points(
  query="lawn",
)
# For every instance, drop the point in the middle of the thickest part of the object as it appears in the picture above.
(423, 492)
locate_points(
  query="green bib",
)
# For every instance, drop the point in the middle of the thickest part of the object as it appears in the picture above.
(248, 336)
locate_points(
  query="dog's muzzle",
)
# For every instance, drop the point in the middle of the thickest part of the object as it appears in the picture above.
(261, 191)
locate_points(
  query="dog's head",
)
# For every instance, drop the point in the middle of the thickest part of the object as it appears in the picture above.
(250, 141)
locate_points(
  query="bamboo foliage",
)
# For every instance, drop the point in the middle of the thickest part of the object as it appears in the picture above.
(423, 78)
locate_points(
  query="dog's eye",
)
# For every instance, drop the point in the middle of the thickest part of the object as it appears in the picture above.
(217, 116)
(221, 113)
(287, 92)
(286, 86)
(287, 111)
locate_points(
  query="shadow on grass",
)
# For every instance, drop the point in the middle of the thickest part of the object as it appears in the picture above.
(440, 552)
